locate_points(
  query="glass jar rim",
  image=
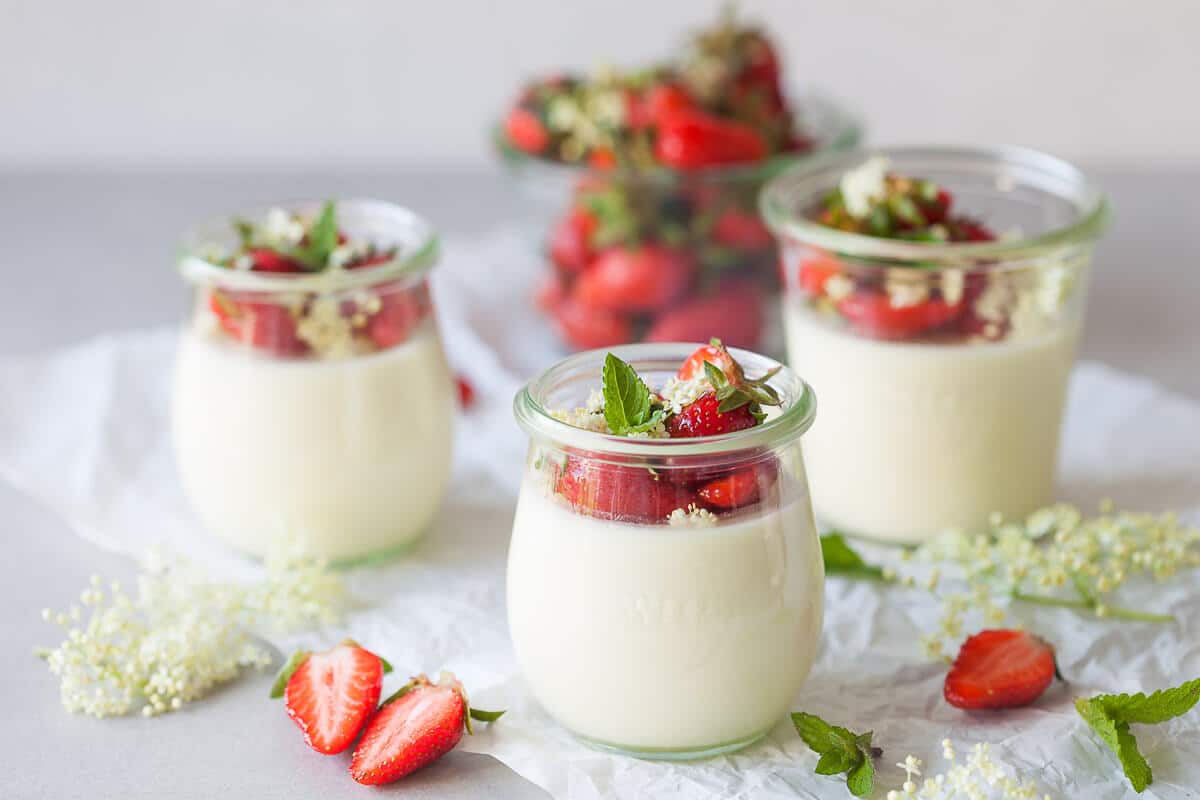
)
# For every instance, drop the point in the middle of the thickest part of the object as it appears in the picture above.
(416, 254)
(783, 199)
(794, 420)
(847, 133)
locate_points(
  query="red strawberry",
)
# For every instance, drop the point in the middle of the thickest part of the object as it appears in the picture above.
(735, 490)
(265, 260)
(977, 232)
(623, 493)
(714, 353)
(733, 313)
(939, 209)
(570, 241)
(645, 278)
(330, 695)
(550, 293)
(702, 417)
(692, 140)
(266, 326)
(813, 275)
(414, 727)
(466, 392)
(398, 314)
(872, 314)
(1000, 669)
(602, 158)
(664, 101)
(525, 131)
(587, 328)
(742, 230)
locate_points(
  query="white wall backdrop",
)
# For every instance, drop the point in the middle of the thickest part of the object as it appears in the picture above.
(416, 81)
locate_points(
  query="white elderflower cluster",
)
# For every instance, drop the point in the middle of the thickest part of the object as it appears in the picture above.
(978, 777)
(692, 517)
(180, 634)
(1057, 557)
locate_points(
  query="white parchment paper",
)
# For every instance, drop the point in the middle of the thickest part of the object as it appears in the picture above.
(84, 431)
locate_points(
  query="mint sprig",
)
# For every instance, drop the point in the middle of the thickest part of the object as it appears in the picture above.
(840, 751)
(1110, 715)
(322, 239)
(628, 407)
(842, 559)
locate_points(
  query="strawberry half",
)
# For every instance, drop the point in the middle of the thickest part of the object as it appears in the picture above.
(694, 139)
(703, 417)
(622, 493)
(1000, 669)
(713, 353)
(330, 695)
(414, 727)
(736, 490)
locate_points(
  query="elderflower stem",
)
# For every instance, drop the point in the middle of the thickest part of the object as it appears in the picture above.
(1115, 612)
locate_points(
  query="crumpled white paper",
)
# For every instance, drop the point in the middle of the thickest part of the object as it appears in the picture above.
(84, 431)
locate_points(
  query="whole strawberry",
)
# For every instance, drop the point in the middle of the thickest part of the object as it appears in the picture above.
(414, 727)
(735, 402)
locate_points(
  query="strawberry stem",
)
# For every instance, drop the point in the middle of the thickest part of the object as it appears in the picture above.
(1090, 604)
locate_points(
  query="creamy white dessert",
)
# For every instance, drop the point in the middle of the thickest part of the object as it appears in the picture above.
(653, 638)
(918, 437)
(349, 456)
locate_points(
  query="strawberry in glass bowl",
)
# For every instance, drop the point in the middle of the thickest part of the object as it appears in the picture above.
(936, 296)
(663, 548)
(313, 403)
(645, 186)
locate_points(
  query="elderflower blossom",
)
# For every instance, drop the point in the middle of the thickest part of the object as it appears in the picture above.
(1055, 550)
(978, 777)
(180, 634)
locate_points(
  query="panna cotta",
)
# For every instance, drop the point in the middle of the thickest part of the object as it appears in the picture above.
(665, 583)
(313, 404)
(942, 348)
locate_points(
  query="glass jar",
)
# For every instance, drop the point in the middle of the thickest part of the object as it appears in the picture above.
(715, 265)
(315, 407)
(943, 367)
(642, 623)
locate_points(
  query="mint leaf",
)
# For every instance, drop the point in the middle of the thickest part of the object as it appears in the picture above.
(840, 751)
(1109, 715)
(322, 239)
(841, 559)
(626, 399)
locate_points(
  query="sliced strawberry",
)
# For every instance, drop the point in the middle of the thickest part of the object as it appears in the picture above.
(813, 275)
(525, 131)
(265, 260)
(399, 312)
(587, 328)
(742, 230)
(330, 695)
(735, 490)
(666, 100)
(413, 728)
(263, 325)
(733, 313)
(1000, 669)
(713, 353)
(466, 392)
(872, 314)
(570, 241)
(622, 493)
(693, 140)
(702, 417)
(645, 278)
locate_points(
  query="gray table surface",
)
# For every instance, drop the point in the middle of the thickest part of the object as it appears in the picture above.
(88, 252)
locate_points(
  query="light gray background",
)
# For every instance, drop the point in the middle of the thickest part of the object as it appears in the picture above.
(123, 122)
(310, 82)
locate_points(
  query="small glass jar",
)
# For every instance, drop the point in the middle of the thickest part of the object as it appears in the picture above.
(317, 407)
(716, 265)
(943, 367)
(642, 623)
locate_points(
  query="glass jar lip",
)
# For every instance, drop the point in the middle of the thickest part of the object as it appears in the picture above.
(846, 133)
(795, 419)
(416, 241)
(783, 198)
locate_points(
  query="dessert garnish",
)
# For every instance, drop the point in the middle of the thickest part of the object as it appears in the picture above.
(722, 103)
(1000, 669)
(841, 751)
(842, 559)
(182, 634)
(1110, 716)
(330, 695)
(291, 324)
(414, 727)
